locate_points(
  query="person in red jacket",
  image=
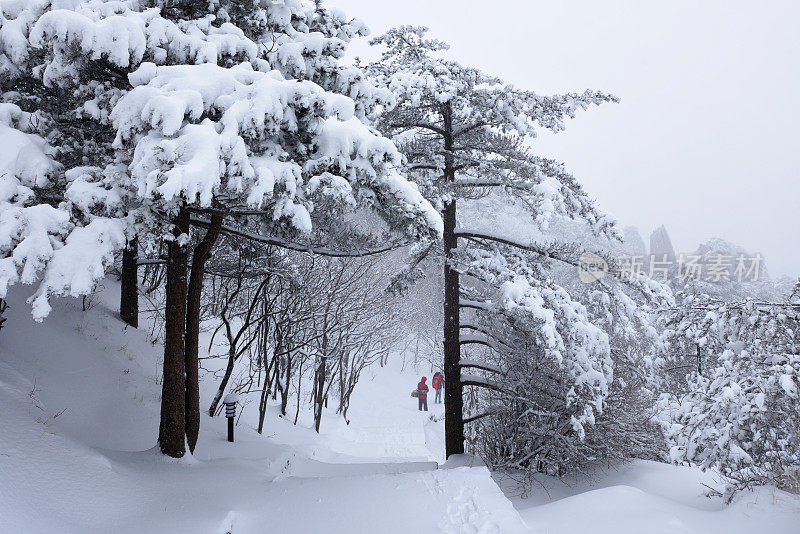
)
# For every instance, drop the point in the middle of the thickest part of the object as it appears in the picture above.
(422, 390)
(438, 384)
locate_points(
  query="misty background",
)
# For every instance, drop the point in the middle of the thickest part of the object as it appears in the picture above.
(705, 139)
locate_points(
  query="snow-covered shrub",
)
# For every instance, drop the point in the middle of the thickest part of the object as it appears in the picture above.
(533, 433)
(625, 428)
(547, 420)
(742, 415)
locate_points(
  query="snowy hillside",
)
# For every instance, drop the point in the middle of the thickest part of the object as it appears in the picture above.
(80, 412)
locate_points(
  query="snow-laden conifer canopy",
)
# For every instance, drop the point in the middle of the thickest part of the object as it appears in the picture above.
(194, 110)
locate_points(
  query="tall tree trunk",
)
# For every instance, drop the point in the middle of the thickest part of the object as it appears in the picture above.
(453, 394)
(172, 430)
(201, 254)
(129, 284)
(282, 353)
(262, 407)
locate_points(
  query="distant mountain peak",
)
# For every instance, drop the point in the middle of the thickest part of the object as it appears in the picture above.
(661, 244)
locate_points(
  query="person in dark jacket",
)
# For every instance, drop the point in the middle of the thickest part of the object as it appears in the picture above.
(438, 384)
(422, 389)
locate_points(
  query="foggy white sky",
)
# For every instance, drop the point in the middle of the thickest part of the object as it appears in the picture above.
(705, 140)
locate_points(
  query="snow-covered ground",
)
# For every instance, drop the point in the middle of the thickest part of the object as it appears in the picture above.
(79, 408)
(79, 396)
(653, 498)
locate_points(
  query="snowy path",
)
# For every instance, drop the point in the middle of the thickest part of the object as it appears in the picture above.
(385, 422)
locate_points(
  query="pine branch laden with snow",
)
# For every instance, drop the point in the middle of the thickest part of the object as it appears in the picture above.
(700, 328)
(556, 376)
(484, 122)
(566, 336)
(606, 310)
(274, 139)
(532, 426)
(622, 310)
(239, 107)
(628, 311)
(738, 412)
(39, 238)
(554, 381)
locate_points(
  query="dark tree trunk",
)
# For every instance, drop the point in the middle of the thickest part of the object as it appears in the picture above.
(172, 430)
(282, 354)
(129, 284)
(299, 384)
(285, 390)
(262, 403)
(453, 393)
(276, 379)
(201, 253)
(319, 393)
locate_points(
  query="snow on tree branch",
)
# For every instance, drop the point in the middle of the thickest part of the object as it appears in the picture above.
(161, 107)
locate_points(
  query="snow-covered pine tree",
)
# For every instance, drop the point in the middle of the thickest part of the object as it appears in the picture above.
(738, 412)
(303, 40)
(464, 133)
(191, 118)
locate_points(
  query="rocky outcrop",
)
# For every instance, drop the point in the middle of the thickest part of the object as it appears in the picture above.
(661, 245)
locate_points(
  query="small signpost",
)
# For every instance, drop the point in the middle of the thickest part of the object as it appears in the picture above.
(230, 401)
